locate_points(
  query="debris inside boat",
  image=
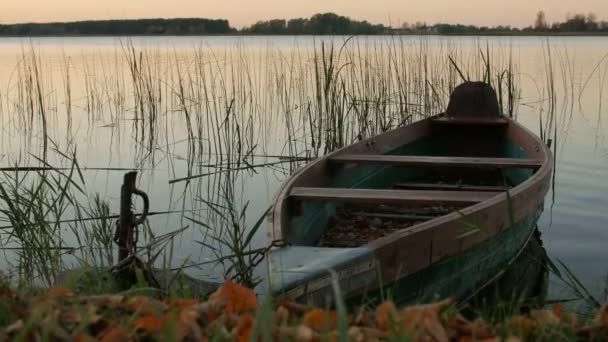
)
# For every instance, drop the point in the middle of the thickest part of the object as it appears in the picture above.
(354, 226)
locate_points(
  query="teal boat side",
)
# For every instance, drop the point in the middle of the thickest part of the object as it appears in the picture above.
(458, 276)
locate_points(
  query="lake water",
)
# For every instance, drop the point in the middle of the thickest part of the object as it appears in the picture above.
(176, 107)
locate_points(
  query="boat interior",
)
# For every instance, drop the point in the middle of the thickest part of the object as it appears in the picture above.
(454, 164)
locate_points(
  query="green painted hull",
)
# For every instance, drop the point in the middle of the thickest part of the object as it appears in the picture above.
(459, 276)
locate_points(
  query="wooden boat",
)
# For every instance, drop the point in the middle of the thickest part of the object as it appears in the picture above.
(433, 209)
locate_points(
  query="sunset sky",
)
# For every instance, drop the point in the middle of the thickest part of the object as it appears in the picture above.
(246, 12)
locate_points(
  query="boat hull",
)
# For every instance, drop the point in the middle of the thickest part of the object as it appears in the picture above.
(451, 255)
(458, 276)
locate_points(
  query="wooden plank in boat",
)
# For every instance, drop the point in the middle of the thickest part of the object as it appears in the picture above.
(412, 197)
(422, 161)
(471, 121)
(448, 187)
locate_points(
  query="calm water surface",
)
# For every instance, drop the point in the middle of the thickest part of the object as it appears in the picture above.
(263, 84)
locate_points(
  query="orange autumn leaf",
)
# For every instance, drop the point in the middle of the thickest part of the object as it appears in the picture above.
(6, 292)
(387, 316)
(602, 316)
(545, 317)
(423, 320)
(181, 303)
(237, 298)
(58, 292)
(242, 331)
(558, 309)
(320, 320)
(186, 320)
(82, 337)
(211, 309)
(521, 324)
(476, 329)
(281, 315)
(477, 339)
(114, 334)
(150, 324)
(145, 305)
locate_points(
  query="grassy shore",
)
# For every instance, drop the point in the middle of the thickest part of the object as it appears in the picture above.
(233, 313)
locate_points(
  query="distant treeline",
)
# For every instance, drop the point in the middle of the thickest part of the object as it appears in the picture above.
(318, 24)
(190, 26)
(574, 24)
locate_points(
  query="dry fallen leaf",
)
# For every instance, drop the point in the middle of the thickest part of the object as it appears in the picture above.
(57, 292)
(71, 315)
(112, 301)
(281, 315)
(462, 327)
(238, 298)
(114, 334)
(296, 308)
(210, 310)
(423, 320)
(82, 337)
(15, 327)
(320, 320)
(602, 316)
(242, 331)
(522, 324)
(478, 339)
(513, 339)
(558, 309)
(145, 305)
(357, 333)
(387, 316)
(186, 322)
(6, 292)
(300, 333)
(181, 303)
(150, 324)
(545, 317)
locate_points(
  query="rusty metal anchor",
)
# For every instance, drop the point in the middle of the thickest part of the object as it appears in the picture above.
(125, 236)
(126, 233)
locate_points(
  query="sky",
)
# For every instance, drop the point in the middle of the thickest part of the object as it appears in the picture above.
(245, 12)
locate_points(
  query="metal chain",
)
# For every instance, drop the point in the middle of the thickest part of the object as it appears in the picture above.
(261, 255)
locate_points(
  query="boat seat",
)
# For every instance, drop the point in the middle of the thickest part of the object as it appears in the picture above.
(448, 187)
(383, 196)
(426, 161)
